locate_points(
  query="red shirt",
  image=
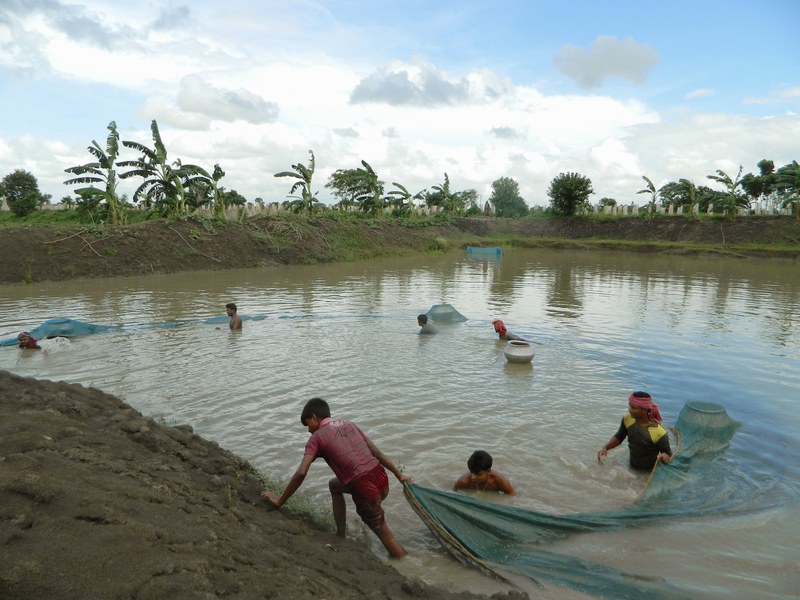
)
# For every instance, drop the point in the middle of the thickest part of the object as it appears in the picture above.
(344, 447)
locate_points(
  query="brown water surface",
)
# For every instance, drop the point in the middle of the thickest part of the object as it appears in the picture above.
(602, 325)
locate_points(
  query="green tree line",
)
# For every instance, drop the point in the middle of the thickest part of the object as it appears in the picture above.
(171, 188)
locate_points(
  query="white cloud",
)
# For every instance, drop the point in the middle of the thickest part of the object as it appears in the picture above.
(606, 57)
(791, 94)
(507, 133)
(347, 132)
(422, 84)
(700, 93)
(612, 157)
(198, 96)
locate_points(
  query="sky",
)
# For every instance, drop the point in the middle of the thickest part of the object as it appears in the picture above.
(475, 89)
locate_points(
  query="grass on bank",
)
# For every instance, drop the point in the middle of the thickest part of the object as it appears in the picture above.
(743, 249)
(353, 239)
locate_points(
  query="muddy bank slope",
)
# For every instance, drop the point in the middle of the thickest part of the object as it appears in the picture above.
(54, 253)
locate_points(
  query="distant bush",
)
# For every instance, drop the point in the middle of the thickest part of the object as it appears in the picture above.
(21, 191)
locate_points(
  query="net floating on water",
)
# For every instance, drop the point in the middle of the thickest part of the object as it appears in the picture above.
(61, 327)
(705, 428)
(445, 312)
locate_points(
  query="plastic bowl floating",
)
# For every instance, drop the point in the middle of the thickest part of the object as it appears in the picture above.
(518, 351)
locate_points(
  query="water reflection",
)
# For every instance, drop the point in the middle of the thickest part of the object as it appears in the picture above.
(602, 324)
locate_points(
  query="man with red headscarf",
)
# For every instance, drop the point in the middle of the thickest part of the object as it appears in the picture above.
(502, 332)
(648, 441)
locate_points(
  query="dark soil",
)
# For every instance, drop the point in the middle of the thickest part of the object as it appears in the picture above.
(53, 253)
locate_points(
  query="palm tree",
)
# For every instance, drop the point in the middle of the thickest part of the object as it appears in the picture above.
(733, 198)
(101, 171)
(653, 191)
(306, 201)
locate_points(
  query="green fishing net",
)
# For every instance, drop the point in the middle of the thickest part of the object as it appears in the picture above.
(445, 312)
(498, 538)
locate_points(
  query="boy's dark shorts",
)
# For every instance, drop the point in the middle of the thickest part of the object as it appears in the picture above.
(368, 491)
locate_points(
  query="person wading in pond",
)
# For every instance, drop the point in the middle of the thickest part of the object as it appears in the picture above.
(425, 327)
(360, 470)
(503, 333)
(235, 322)
(28, 342)
(648, 441)
(481, 477)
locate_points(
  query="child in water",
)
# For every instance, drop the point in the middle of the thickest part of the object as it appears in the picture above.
(481, 477)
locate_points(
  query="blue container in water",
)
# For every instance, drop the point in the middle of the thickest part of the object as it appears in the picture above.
(478, 251)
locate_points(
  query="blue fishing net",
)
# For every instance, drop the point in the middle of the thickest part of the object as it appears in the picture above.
(61, 327)
(74, 328)
(496, 538)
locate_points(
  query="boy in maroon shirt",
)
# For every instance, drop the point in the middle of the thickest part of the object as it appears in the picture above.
(358, 466)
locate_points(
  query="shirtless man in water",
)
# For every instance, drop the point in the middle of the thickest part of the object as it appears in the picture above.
(236, 322)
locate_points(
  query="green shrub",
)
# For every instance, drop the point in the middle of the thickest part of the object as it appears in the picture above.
(25, 205)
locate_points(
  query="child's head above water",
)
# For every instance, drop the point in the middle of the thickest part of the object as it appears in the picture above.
(479, 461)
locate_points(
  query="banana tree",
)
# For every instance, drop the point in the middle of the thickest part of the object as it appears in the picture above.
(307, 200)
(218, 192)
(404, 198)
(448, 200)
(733, 198)
(371, 200)
(653, 191)
(102, 171)
(689, 190)
(203, 188)
(165, 183)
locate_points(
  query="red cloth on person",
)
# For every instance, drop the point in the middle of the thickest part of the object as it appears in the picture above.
(646, 403)
(500, 327)
(344, 447)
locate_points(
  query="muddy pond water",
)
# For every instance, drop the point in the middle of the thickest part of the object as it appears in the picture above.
(602, 325)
